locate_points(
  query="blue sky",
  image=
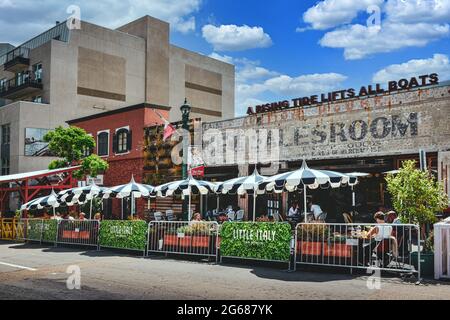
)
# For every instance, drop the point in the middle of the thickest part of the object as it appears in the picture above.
(281, 49)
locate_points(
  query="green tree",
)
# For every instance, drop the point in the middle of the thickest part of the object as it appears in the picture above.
(70, 144)
(416, 195)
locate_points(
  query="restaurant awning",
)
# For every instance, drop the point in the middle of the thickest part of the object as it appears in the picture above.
(30, 184)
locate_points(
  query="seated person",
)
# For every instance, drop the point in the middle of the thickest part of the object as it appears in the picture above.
(197, 217)
(377, 235)
(382, 230)
(315, 209)
(293, 211)
(222, 218)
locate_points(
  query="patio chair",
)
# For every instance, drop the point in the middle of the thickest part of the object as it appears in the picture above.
(170, 215)
(240, 215)
(158, 216)
(322, 216)
(347, 218)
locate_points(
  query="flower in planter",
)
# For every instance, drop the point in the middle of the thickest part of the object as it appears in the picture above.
(313, 232)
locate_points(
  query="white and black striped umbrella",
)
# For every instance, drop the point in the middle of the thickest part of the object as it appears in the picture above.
(249, 184)
(50, 201)
(313, 179)
(137, 190)
(304, 178)
(185, 187)
(84, 193)
(242, 185)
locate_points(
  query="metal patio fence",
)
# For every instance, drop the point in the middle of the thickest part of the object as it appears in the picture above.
(392, 247)
(78, 232)
(193, 238)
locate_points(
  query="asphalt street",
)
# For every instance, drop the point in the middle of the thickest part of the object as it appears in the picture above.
(34, 272)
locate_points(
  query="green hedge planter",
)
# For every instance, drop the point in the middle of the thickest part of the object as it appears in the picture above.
(49, 231)
(259, 241)
(33, 230)
(131, 235)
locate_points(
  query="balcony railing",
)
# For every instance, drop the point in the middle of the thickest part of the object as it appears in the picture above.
(17, 59)
(25, 84)
(60, 32)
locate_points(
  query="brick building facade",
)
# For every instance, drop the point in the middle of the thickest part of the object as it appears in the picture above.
(109, 129)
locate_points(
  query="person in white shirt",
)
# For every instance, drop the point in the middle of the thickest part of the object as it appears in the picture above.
(315, 209)
(293, 210)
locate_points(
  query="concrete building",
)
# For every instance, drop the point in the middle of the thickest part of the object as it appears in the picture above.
(65, 74)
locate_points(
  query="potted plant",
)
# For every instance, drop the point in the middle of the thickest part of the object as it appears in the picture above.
(170, 237)
(184, 236)
(417, 196)
(337, 247)
(201, 235)
(311, 238)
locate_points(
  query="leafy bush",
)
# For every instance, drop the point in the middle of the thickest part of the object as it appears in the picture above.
(123, 234)
(416, 194)
(254, 240)
(197, 228)
(313, 232)
(49, 228)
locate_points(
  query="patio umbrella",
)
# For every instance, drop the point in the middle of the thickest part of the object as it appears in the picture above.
(306, 177)
(392, 172)
(133, 190)
(356, 175)
(185, 188)
(243, 185)
(50, 201)
(87, 193)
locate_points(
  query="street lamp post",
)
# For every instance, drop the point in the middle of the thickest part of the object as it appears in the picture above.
(185, 112)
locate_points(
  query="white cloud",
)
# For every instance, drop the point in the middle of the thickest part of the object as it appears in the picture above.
(415, 11)
(359, 41)
(35, 19)
(284, 87)
(236, 38)
(405, 23)
(223, 58)
(332, 13)
(439, 63)
(304, 84)
(256, 84)
(246, 70)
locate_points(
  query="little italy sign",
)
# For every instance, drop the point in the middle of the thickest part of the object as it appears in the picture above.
(254, 235)
(258, 241)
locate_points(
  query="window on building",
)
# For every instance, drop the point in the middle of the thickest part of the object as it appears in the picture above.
(122, 141)
(5, 167)
(37, 69)
(103, 143)
(273, 205)
(2, 84)
(6, 134)
(37, 99)
(5, 145)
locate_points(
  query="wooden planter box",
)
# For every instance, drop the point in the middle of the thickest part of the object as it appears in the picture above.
(67, 234)
(170, 240)
(186, 241)
(340, 250)
(309, 248)
(83, 235)
(200, 241)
